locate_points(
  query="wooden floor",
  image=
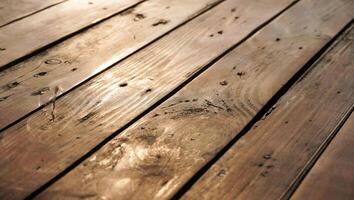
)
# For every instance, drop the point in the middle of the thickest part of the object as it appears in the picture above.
(176, 99)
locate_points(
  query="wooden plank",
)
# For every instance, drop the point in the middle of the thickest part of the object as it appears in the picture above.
(157, 155)
(266, 162)
(332, 176)
(13, 10)
(41, 29)
(81, 57)
(55, 138)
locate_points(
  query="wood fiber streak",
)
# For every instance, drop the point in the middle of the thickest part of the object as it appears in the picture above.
(157, 155)
(71, 62)
(332, 177)
(25, 36)
(265, 162)
(42, 145)
(11, 10)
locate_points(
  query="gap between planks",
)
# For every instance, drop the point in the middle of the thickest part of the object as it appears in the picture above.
(335, 165)
(18, 11)
(130, 137)
(215, 49)
(240, 161)
(75, 16)
(71, 64)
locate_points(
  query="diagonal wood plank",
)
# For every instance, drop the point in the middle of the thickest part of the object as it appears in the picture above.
(66, 65)
(156, 156)
(266, 162)
(13, 10)
(23, 37)
(62, 132)
(332, 176)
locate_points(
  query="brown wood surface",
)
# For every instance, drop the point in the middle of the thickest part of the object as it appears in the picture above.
(269, 159)
(36, 31)
(42, 145)
(154, 157)
(11, 10)
(75, 60)
(332, 177)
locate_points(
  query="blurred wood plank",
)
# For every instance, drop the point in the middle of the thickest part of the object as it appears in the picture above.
(75, 60)
(269, 159)
(12, 10)
(332, 177)
(158, 154)
(25, 36)
(39, 147)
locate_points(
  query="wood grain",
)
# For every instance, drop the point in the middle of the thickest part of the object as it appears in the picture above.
(36, 31)
(47, 142)
(70, 63)
(157, 155)
(265, 162)
(12, 10)
(332, 177)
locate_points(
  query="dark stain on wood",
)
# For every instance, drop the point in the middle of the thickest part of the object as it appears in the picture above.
(240, 74)
(139, 16)
(123, 84)
(40, 74)
(12, 85)
(223, 83)
(4, 98)
(87, 117)
(40, 91)
(161, 22)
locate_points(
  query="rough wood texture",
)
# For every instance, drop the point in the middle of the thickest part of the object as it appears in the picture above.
(154, 157)
(11, 10)
(66, 65)
(332, 177)
(270, 157)
(42, 145)
(31, 33)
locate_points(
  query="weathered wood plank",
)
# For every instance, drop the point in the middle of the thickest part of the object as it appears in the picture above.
(332, 176)
(157, 155)
(47, 142)
(11, 10)
(266, 162)
(36, 31)
(76, 59)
